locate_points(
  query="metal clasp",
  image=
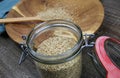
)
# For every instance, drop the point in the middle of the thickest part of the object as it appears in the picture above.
(24, 50)
(86, 42)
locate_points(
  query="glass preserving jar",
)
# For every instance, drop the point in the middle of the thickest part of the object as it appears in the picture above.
(55, 46)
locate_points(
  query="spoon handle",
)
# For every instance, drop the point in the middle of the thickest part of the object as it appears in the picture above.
(20, 19)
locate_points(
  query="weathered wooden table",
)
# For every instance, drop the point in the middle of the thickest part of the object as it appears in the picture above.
(10, 51)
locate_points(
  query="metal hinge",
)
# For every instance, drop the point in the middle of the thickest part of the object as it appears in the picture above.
(86, 40)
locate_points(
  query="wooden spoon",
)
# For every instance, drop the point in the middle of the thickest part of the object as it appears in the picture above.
(20, 19)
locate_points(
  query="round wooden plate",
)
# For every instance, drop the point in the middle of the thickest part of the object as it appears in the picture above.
(88, 14)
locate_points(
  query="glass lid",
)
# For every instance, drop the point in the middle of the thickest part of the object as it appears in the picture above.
(113, 51)
(108, 52)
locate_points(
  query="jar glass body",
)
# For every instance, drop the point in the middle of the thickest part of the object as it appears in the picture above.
(69, 69)
(67, 64)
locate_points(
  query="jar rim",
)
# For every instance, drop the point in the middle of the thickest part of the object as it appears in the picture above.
(60, 58)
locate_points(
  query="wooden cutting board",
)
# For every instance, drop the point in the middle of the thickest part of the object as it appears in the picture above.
(88, 14)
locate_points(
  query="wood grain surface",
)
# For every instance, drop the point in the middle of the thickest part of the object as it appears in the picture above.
(88, 14)
(10, 52)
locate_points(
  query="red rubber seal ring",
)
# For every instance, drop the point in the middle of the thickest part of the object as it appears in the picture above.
(112, 70)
